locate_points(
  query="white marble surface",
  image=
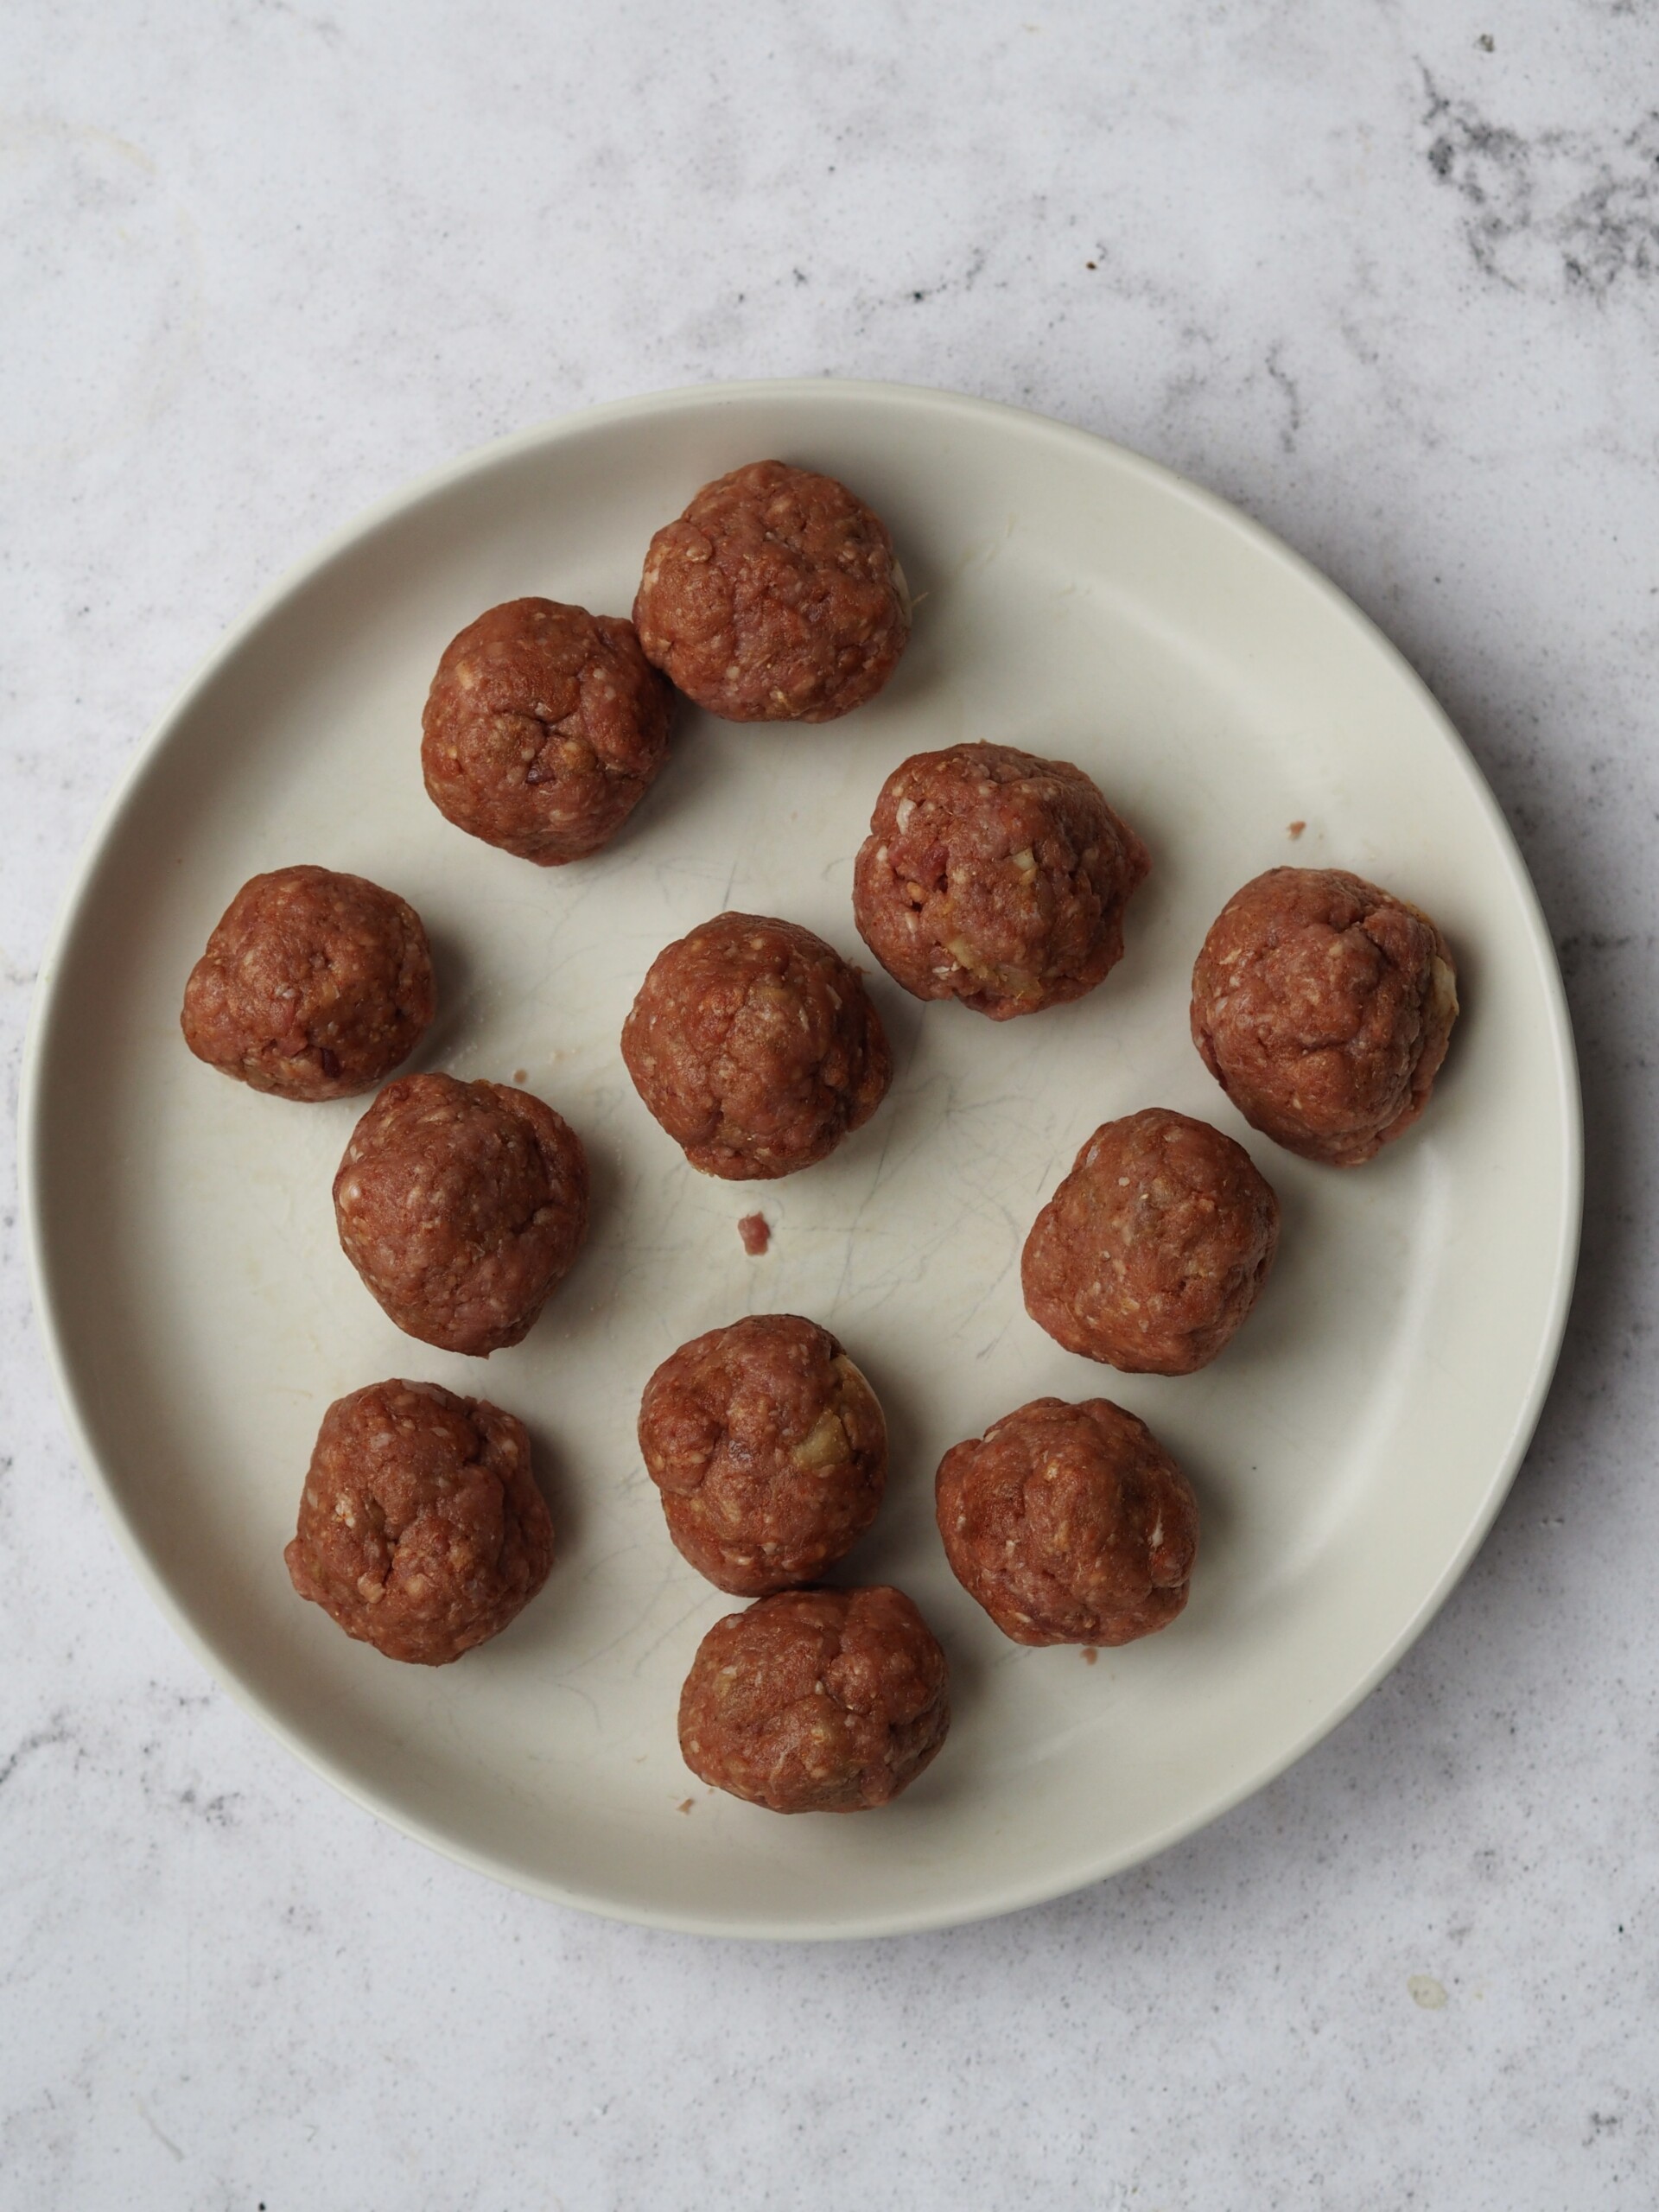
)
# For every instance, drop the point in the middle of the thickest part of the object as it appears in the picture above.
(1388, 276)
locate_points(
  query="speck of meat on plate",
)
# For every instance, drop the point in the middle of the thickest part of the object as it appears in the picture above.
(756, 1233)
(1295, 829)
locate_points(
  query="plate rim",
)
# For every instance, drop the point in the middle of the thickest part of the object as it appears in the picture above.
(46, 1013)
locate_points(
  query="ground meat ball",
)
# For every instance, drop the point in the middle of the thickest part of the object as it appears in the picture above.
(1153, 1250)
(421, 1530)
(816, 1700)
(314, 985)
(1322, 1005)
(544, 728)
(462, 1204)
(756, 1046)
(1069, 1524)
(769, 1448)
(774, 598)
(996, 878)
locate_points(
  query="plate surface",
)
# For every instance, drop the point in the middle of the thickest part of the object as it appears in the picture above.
(1349, 1450)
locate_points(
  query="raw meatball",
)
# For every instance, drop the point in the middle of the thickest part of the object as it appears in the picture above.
(755, 1045)
(1322, 1005)
(544, 728)
(774, 598)
(996, 878)
(1153, 1250)
(462, 1204)
(816, 1700)
(313, 986)
(421, 1530)
(1069, 1524)
(769, 1448)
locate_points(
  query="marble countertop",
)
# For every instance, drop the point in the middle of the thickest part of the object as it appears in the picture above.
(1388, 276)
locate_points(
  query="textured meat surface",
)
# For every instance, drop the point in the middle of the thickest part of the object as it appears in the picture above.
(461, 1205)
(544, 728)
(1069, 1524)
(421, 1528)
(996, 878)
(773, 598)
(1152, 1252)
(314, 985)
(769, 1448)
(756, 1046)
(1323, 1006)
(816, 1700)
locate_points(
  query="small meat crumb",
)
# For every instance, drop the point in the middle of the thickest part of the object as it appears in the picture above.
(521, 1075)
(684, 1805)
(755, 1233)
(1297, 828)
(1089, 1654)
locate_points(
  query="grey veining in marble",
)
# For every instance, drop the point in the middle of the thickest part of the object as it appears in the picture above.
(1388, 275)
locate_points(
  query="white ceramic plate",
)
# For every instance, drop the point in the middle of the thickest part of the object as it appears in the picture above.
(1349, 1450)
